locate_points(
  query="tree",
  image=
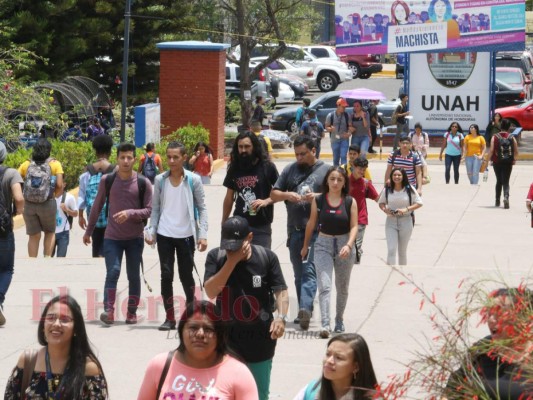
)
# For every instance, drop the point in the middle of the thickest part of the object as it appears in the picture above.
(267, 22)
(85, 37)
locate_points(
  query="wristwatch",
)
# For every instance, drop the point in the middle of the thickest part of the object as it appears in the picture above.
(284, 318)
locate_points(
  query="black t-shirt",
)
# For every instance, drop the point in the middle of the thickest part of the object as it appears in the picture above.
(251, 185)
(400, 110)
(245, 301)
(373, 112)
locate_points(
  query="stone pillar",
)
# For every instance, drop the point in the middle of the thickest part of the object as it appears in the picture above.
(192, 82)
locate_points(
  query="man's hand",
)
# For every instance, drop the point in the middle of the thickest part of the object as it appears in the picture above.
(243, 253)
(308, 197)
(258, 203)
(64, 208)
(121, 217)
(293, 197)
(202, 244)
(277, 328)
(82, 222)
(86, 240)
(149, 242)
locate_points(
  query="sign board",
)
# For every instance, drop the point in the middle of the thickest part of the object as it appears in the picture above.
(147, 124)
(450, 87)
(385, 26)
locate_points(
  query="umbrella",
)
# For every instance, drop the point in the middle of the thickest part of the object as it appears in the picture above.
(362, 94)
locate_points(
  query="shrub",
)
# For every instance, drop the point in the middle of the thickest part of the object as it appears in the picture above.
(189, 135)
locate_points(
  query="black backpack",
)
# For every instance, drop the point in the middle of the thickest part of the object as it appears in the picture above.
(6, 216)
(505, 149)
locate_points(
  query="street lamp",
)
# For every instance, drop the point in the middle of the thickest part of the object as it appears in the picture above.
(127, 16)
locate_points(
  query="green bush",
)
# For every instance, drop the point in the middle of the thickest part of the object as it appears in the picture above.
(189, 135)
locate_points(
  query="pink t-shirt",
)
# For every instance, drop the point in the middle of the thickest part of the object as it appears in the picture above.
(530, 193)
(228, 380)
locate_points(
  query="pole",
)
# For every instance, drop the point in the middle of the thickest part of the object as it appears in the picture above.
(127, 16)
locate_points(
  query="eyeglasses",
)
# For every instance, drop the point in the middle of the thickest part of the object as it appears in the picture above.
(63, 319)
(455, 126)
(208, 331)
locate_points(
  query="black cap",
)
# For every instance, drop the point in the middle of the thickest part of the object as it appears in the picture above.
(405, 138)
(234, 231)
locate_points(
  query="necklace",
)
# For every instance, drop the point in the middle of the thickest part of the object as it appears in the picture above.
(52, 383)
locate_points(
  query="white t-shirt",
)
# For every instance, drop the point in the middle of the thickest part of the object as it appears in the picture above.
(174, 221)
(399, 199)
(61, 218)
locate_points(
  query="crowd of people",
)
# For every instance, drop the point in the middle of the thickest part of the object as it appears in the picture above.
(121, 209)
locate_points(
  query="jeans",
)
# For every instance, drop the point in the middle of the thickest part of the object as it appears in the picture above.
(7, 263)
(184, 250)
(363, 142)
(113, 252)
(61, 246)
(340, 151)
(327, 259)
(359, 242)
(261, 372)
(304, 272)
(262, 235)
(401, 129)
(503, 174)
(473, 164)
(98, 242)
(448, 160)
(398, 231)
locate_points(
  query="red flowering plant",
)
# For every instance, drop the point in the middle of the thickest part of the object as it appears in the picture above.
(450, 366)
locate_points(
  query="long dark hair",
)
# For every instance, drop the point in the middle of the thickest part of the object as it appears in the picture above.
(364, 380)
(340, 170)
(80, 349)
(459, 129)
(212, 312)
(41, 151)
(405, 179)
(258, 152)
(207, 148)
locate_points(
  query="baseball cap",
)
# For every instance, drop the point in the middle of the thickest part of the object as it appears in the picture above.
(342, 102)
(234, 231)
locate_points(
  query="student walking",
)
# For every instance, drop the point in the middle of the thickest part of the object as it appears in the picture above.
(67, 209)
(398, 201)
(150, 164)
(202, 162)
(128, 196)
(453, 144)
(334, 213)
(473, 150)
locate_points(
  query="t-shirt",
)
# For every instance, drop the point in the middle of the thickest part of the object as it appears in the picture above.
(11, 177)
(55, 167)
(339, 121)
(453, 143)
(359, 125)
(61, 217)
(530, 193)
(407, 164)
(228, 380)
(251, 185)
(333, 220)
(399, 199)
(348, 168)
(246, 301)
(298, 213)
(362, 189)
(373, 113)
(175, 221)
(202, 165)
(401, 109)
(123, 195)
(474, 145)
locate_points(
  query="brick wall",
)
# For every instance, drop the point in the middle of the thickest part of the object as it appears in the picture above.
(192, 90)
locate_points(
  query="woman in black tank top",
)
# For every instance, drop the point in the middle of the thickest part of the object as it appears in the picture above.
(334, 214)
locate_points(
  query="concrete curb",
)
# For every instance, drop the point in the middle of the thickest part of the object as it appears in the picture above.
(375, 156)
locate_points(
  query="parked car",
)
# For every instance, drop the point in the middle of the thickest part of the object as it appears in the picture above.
(282, 66)
(520, 115)
(506, 95)
(515, 78)
(327, 73)
(298, 86)
(400, 65)
(323, 52)
(285, 119)
(285, 94)
(260, 87)
(362, 66)
(516, 60)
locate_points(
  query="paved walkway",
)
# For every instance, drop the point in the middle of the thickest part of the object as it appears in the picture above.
(458, 234)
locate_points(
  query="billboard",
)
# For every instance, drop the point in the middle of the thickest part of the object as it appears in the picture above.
(385, 26)
(147, 124)
(450, 87)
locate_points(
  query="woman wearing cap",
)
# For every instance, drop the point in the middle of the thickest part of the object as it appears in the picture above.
(453, 143)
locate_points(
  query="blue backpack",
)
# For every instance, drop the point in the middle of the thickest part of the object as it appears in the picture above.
(149, 169)
(92, 190)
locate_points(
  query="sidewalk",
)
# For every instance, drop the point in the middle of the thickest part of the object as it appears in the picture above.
(458, 234)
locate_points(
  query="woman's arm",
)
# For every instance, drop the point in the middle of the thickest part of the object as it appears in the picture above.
(211, 164)
(491, 151)
(444, 143)
(347, 248)
(311, 224)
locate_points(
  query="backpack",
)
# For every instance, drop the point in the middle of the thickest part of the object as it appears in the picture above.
(92, 190)
(313, 132)
(303, 116)
(6, 217)
(38, 182)
(505, 149)
(70, 218)
(141, 185)
(149, 169)
(424, 135)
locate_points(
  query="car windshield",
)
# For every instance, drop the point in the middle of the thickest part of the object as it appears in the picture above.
(290, 64)
(312, 57)
(509, 77)
(509, 62)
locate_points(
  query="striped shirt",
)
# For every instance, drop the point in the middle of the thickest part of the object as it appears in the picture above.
(407, 163)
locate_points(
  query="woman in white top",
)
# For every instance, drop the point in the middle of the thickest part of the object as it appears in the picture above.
(398, 201)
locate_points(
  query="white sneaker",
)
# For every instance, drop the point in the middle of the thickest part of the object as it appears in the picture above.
(2, 318)
(325, 332)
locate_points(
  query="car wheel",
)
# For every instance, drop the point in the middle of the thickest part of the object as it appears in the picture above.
(327, 82)
(356, 70)
(366, 76)
(292, 127)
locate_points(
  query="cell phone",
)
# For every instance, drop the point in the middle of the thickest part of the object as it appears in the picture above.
(306, 259)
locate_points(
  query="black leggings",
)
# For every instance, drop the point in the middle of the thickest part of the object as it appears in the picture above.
(448, 160)
(503, 174)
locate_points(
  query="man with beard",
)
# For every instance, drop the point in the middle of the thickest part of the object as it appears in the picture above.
(298, 185)
(249, 180)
